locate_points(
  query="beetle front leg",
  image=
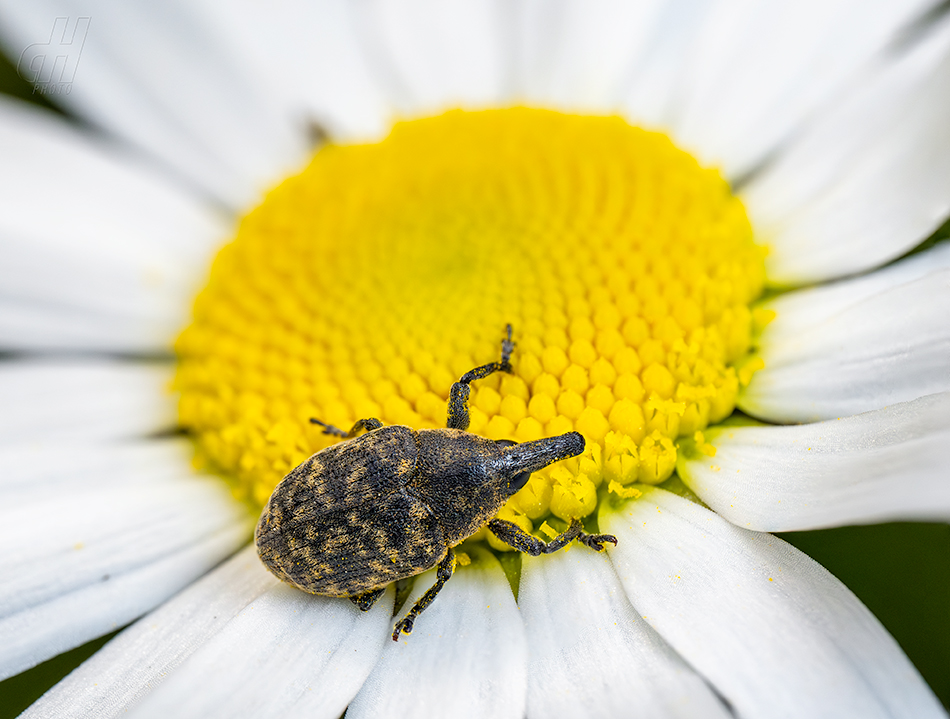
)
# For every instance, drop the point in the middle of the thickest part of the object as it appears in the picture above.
(513, 535)
(445, 569)
(367, 424)
(458, 396)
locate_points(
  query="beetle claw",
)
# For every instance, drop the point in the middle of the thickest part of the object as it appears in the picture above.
(402, 627)
(596, 541)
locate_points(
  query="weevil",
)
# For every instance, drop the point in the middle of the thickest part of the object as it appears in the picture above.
(394, 502)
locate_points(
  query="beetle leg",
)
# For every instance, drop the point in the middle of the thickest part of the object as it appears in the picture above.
(367, 424)
(445, 570)
(367, 599)
(513, 535)
(458, 396)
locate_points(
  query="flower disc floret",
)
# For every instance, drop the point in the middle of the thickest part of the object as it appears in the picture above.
(367, 284)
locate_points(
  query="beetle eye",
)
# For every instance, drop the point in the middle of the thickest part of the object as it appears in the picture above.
(518, 481)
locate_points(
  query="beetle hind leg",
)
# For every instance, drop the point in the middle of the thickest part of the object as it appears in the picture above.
(367, 599)
(368, 424)
(458, 396)
(515, 536)
(444, 572)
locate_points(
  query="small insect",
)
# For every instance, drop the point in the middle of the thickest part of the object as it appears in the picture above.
(394, 501)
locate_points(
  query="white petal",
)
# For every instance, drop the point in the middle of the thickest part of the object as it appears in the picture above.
(591, 655)
(868, 180)
(72, 400)
(884, 465)
(770, 629)
(96, 536)
(578, 55)
(287, 653)
(31, 326)
(311, 56)
(652, 94)
(98, 252)
(465, 657)
(432, 56)
(157, 76)
(758, 71)
(141, 655)
(800, 310)
(40, 468)
(891, 347)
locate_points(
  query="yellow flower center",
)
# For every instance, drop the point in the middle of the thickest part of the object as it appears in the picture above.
(367, 284)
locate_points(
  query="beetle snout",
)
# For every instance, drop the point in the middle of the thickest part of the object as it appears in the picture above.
(538, 454)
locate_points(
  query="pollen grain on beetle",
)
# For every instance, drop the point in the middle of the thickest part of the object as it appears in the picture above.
(367, 284)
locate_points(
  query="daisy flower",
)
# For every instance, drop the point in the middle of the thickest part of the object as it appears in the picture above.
(684, 207)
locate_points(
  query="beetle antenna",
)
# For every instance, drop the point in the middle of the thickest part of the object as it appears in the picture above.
(507, 347)
(458, 396)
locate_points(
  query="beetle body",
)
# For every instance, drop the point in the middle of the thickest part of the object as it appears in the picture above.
(393, 502)
(387, 505)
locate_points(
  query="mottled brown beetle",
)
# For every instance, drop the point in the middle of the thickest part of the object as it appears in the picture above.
(394, 502)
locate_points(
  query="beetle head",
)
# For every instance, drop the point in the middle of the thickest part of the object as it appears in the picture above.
(518, 461)
(464, 479)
